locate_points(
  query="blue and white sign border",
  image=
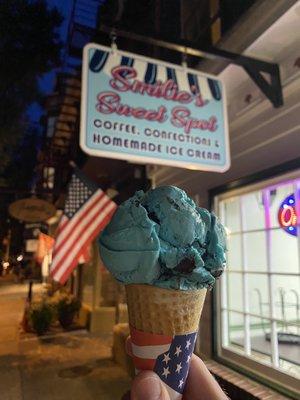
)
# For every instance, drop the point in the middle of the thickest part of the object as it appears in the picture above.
(138, 158)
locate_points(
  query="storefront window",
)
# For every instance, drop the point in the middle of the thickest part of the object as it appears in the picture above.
(49, 175)
(51, 126)
(259, 295)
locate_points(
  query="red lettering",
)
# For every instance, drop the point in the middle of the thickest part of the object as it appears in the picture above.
(169, 89)
(181, 118)
(106, 102)
(121, 76)
(184, 97)
(123, 109)
(139, 87)
(288, 216)
(138, 113)
(109, 102)
(212, 124)
(199, 102)
(160, 115)
(179, 115)
(123, 80)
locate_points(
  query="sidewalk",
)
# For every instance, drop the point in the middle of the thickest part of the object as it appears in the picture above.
(67, 366)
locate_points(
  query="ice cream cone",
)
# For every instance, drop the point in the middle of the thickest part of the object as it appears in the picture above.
(166, 240)
(163, 326)
(164, 311)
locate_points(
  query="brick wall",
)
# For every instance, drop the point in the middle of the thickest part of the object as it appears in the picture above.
(239, 387)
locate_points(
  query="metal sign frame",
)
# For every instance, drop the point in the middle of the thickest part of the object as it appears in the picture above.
(255, 68)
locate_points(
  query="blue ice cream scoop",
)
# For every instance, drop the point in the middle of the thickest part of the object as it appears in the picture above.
(162, 238)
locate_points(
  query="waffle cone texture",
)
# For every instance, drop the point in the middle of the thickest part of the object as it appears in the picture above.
(164, 311)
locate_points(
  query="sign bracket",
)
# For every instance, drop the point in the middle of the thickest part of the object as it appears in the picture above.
(255, 68)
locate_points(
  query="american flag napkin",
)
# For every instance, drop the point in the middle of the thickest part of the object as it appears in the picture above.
(168, 356)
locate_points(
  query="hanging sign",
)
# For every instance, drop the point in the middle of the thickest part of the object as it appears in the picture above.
(145, 110)
(287, 215)
(32, 210)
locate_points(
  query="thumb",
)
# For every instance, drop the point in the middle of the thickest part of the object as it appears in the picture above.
(147, 386)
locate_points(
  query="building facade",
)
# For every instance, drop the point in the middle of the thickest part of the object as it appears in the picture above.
(263, 257)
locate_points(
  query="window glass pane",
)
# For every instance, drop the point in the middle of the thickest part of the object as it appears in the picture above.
(236, 330)
(284, 251)
(289, 354)
(235, 291)
(232, 215)
(287, 300)
(51, 125)
(253, 211)
(255, 251)
(258, 293)
(234, 253)
(286, 309)
(260, 339)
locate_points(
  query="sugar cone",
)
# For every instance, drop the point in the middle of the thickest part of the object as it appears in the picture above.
(164, 311)
(163, 327)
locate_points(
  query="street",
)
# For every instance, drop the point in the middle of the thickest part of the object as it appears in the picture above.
(64, 366)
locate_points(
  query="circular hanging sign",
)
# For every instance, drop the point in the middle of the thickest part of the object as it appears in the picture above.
(32, 210)
(287, 215)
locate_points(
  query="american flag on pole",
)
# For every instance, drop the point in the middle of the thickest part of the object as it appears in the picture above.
(87, 211)
(168, 356)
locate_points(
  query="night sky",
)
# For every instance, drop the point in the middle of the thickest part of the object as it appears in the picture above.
(47, 81)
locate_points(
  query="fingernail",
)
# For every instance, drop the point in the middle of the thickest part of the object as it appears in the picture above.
(147, 386)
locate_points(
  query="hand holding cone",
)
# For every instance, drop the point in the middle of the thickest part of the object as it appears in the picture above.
(164, 326)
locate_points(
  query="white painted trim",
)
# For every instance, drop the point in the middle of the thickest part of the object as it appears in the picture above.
(287, 177)
(272, 319)
(239, 356)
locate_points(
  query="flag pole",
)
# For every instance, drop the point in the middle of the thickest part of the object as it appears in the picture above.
(76, 281)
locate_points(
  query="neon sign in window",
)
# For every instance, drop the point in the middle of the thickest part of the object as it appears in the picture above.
(287, 216)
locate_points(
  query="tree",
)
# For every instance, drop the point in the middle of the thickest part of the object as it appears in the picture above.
(29, 47)
(19, 172)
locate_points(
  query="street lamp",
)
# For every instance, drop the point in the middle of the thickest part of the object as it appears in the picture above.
(5, 265)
